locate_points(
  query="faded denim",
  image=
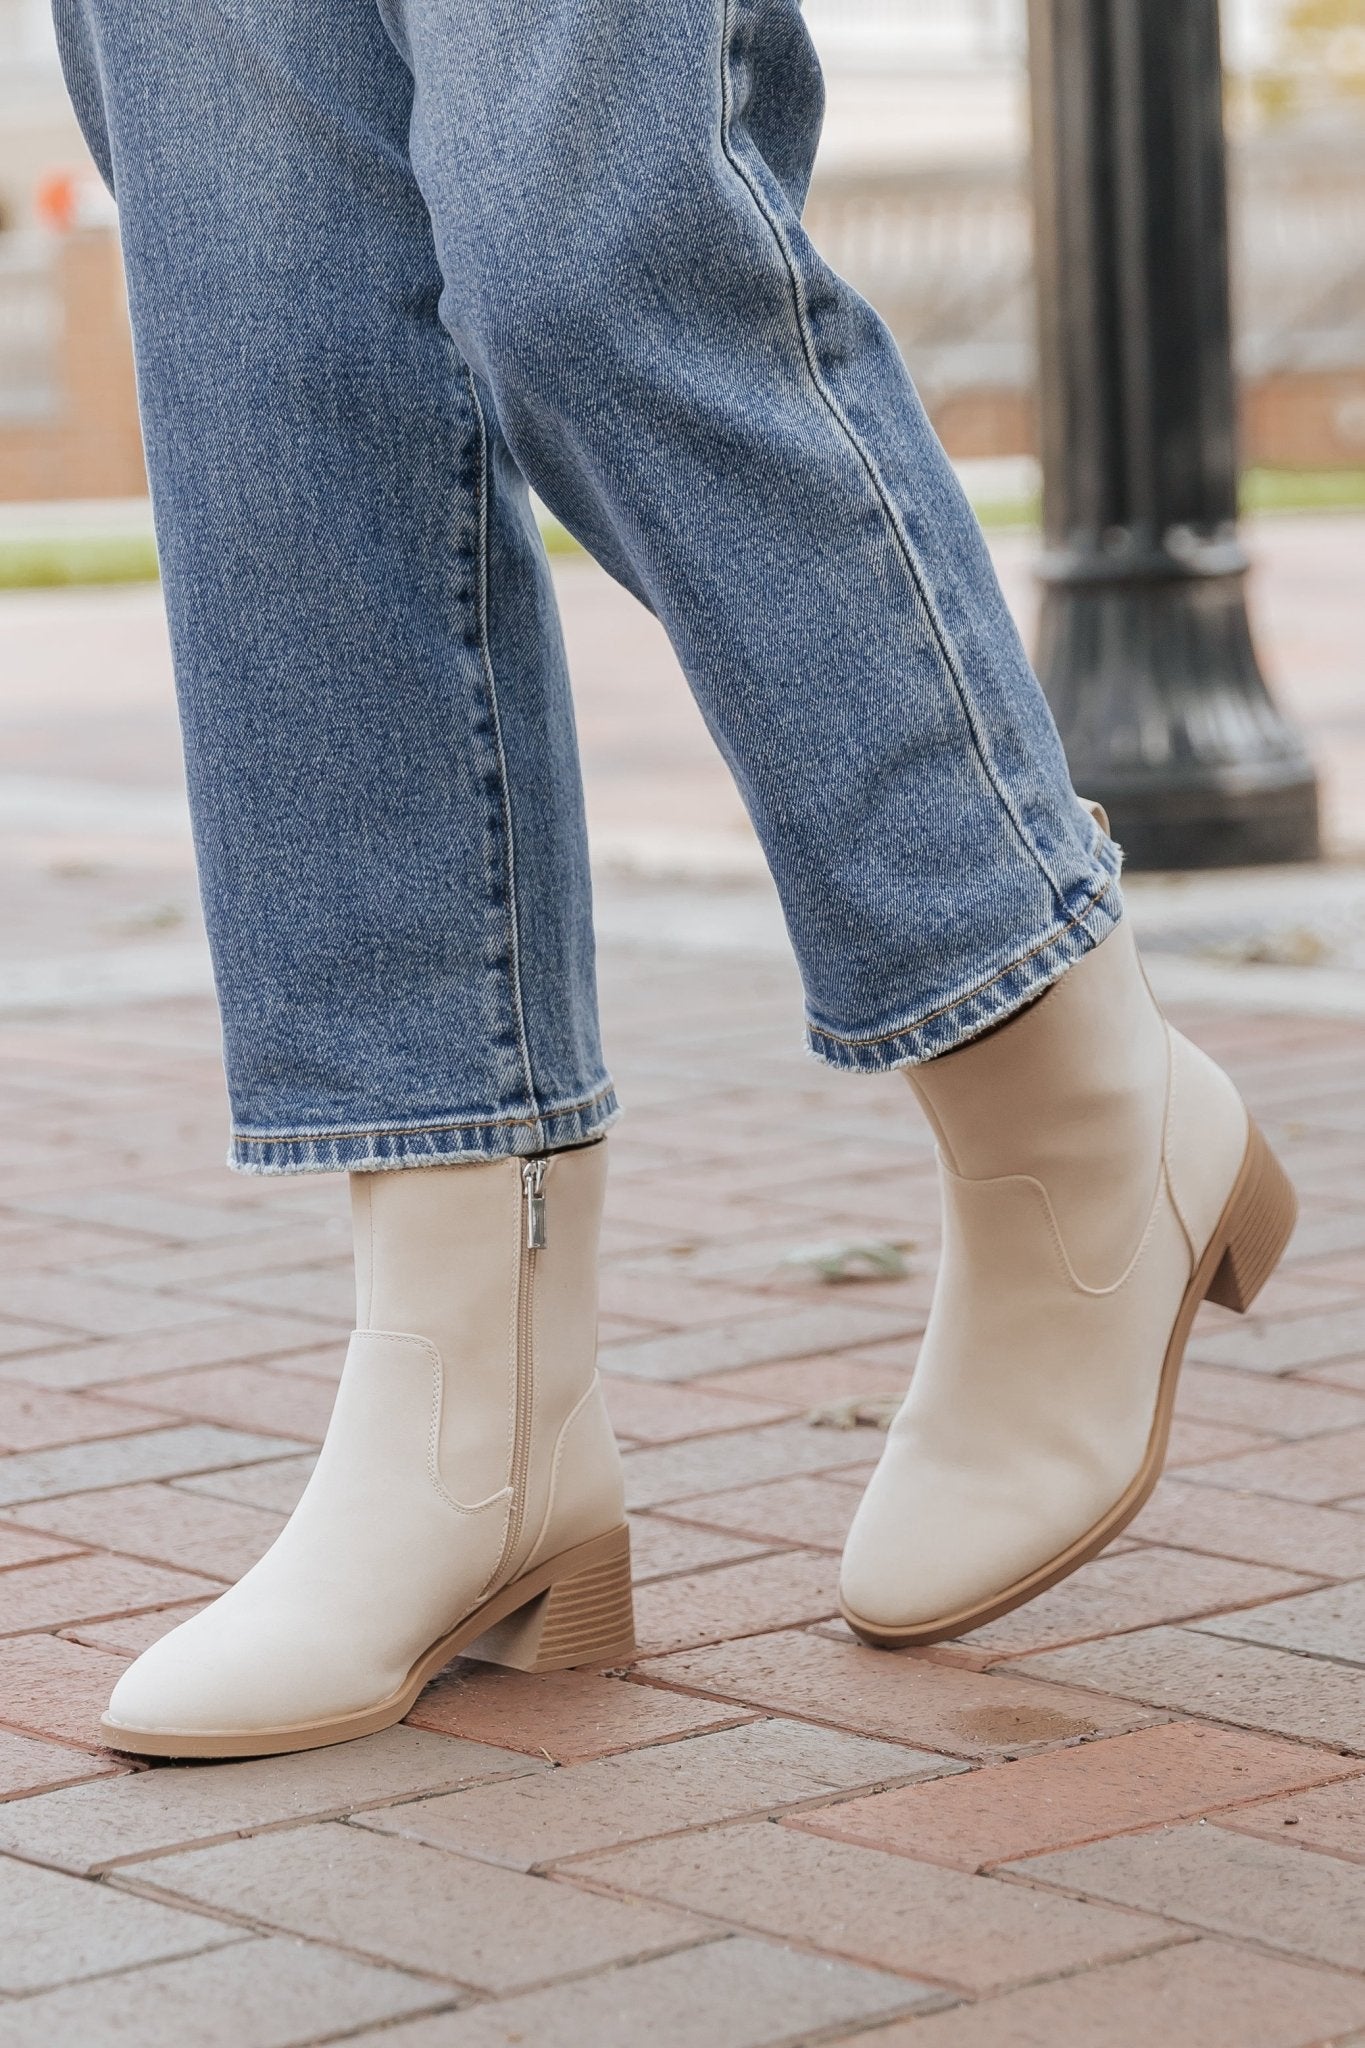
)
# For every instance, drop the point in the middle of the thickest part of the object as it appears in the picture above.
(387, 265)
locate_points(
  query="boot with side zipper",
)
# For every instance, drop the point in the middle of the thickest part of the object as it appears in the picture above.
(1100, 1178)
(467, 1499)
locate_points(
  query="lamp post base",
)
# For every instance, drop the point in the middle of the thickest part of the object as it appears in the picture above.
(1167, 721)
(1210, 826)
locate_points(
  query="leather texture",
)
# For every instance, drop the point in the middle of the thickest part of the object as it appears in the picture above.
(404, 1525)
(1087, 1152)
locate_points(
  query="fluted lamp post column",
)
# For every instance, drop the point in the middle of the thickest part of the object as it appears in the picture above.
(1144, 646)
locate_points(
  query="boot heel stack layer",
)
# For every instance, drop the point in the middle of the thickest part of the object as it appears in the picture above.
(587, 1618)
(1258, 1229)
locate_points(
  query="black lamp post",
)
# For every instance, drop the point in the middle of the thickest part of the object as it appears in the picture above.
(1145, 650)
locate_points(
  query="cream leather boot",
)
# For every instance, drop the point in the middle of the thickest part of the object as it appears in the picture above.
(1100, 1178)
(467, 1499)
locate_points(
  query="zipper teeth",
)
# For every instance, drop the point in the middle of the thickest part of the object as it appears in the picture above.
(521, 1442)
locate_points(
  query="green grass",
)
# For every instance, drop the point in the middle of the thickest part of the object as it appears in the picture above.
(1303, 490)
(997, 512)
(56, 560)
(558, 540)
(1262, 490)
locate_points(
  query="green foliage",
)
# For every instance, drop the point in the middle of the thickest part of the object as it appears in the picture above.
(1320, 58)
(1303, 490)
(53, 560)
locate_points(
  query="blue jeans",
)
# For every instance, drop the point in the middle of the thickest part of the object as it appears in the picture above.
(391, 261)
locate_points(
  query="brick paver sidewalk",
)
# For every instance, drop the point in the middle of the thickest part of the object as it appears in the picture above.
(1133, 1812)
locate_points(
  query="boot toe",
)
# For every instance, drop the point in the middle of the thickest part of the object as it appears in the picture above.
(935, 1558)
(170, 1690)
(215, 1676)
(915, 1585)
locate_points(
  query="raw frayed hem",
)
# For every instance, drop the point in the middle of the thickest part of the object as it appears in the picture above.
(453, 1144)
(991, 1003)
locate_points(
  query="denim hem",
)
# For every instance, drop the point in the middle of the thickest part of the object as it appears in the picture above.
(989, 1003)
(452, 1144)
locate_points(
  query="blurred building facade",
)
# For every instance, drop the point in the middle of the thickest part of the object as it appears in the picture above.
(921, 197)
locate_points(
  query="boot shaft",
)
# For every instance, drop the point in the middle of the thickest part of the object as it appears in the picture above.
(495, 1266)
(1071, 1092)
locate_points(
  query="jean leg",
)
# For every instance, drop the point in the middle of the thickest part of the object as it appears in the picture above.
(616, 195)
(378, 731)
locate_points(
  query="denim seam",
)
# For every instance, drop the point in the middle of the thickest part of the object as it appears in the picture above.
(914, 568)
(969, 995)
(466, 1123)
(500, 756)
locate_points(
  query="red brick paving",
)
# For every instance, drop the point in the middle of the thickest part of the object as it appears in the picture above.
(811, 1511)
(781, 1591)
(218, 1538)
(1129, 1590)
(564, 1716)
(236, 1337)
(128, 1635)
(918, 1699)
(36, 1419)
(653, 1412)
(1075, 1795)
(808, 1814)
(241, 1396)
(1199, 1443)
(1330, 1818)
(1186, 1670)
(1222, 1881)
(1326, 1542)
(661, 1548)
(819, 1382)
(1318, 1469)
(28, 1766)
(52, 1686)
(1205, 1994)
(870, 1907)
(89, 1587)
(762, 1766)
(25, 1546)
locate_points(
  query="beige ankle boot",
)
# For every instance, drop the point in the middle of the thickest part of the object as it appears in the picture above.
(1100, 1178)
(467, 1499)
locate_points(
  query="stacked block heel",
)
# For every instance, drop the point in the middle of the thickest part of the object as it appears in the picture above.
(586, 1618)
(1258, 1229)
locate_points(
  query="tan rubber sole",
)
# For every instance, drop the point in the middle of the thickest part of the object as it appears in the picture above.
(1247, 1245)
(575, 1609)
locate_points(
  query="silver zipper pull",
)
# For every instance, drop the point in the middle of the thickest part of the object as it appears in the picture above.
(533, 1185)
